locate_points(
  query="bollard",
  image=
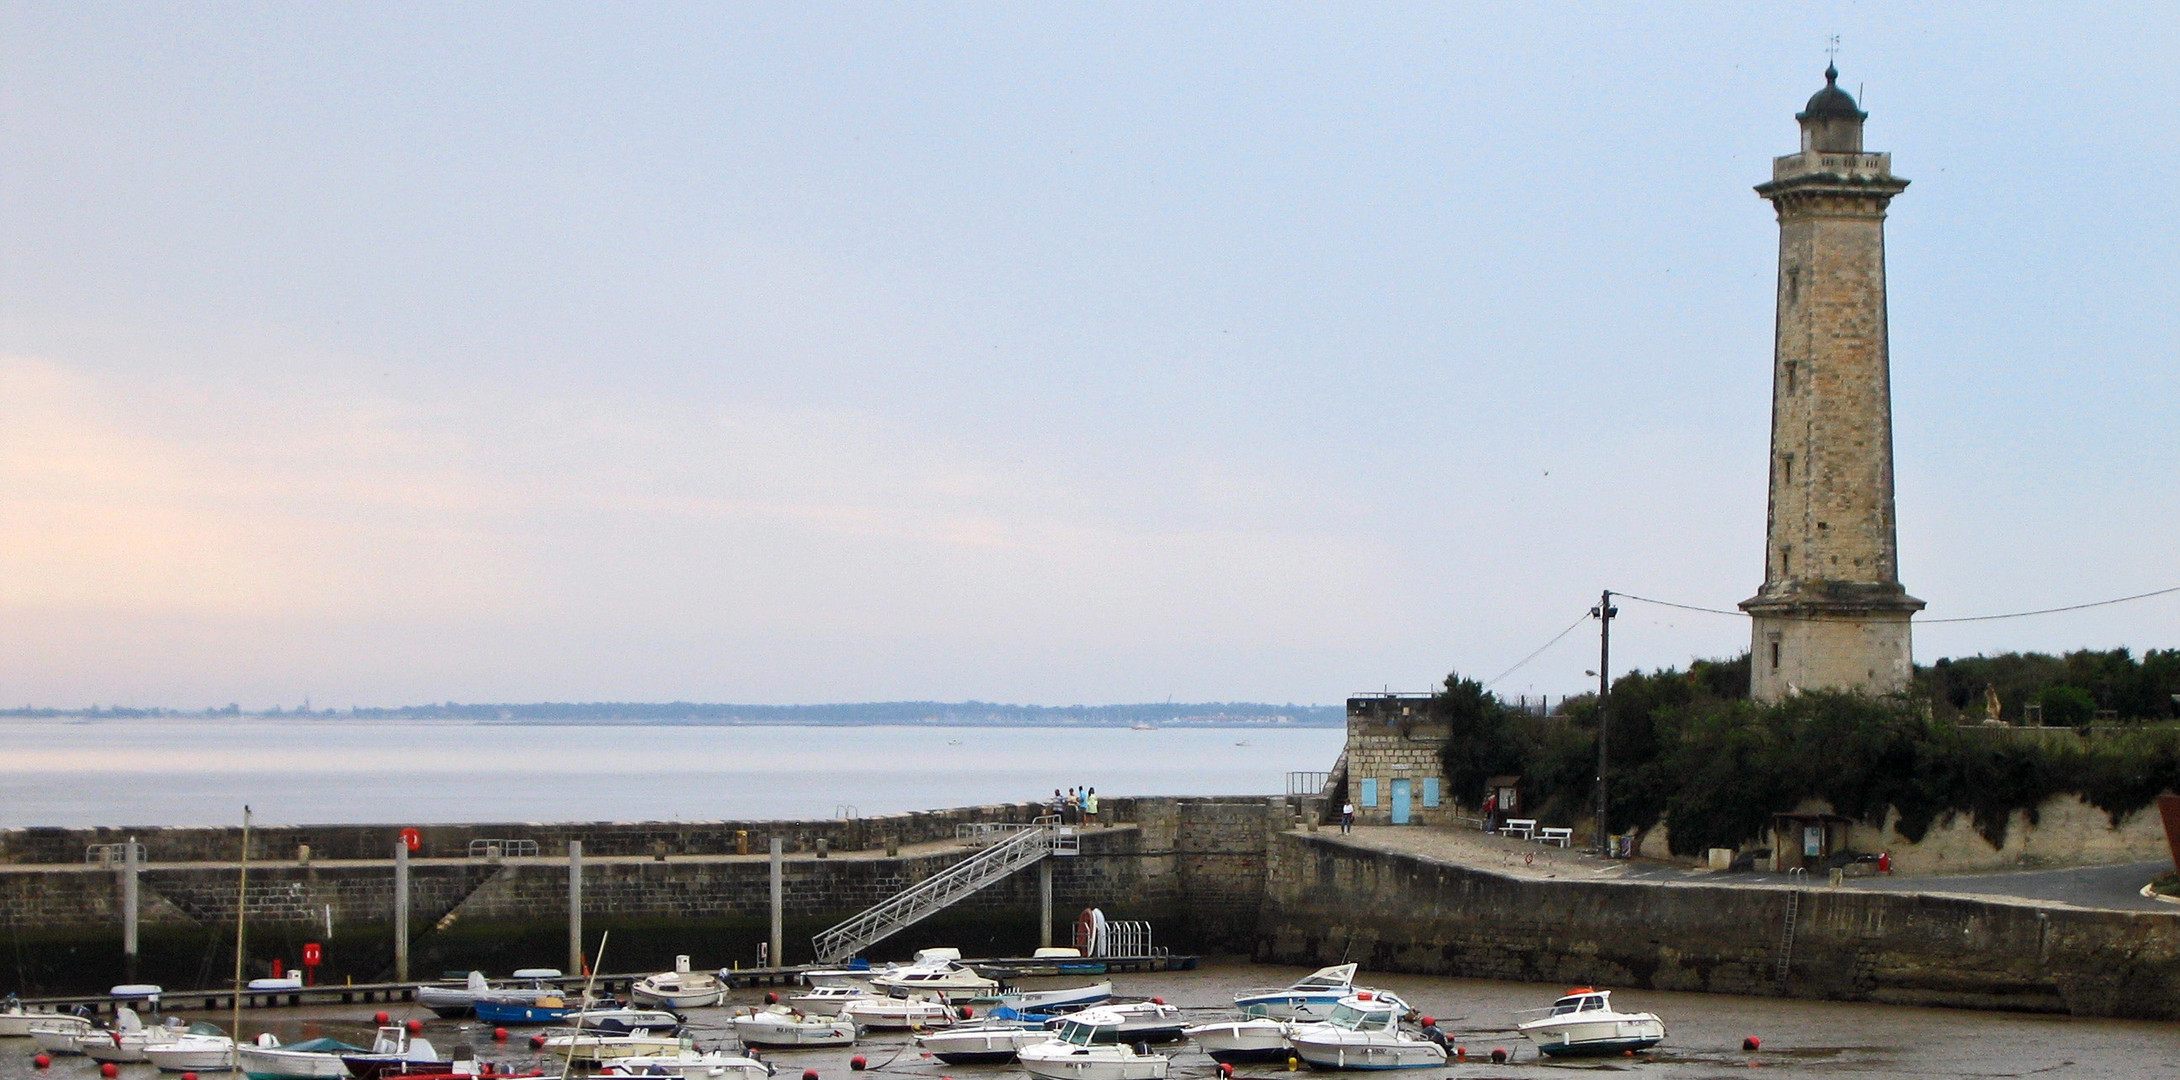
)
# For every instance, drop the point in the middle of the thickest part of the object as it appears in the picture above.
(741, 841)
(824, 847)
(302, 854)
(893, 847)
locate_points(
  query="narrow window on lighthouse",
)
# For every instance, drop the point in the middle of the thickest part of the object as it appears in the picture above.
(1786, 468)
(1790, 381)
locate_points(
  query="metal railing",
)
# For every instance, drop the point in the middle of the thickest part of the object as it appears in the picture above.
(1307, 783)
(1026, 845)
(494, 849)
(112, 854)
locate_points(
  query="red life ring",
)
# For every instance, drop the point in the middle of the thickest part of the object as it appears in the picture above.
(412, 839)
(1086, 928)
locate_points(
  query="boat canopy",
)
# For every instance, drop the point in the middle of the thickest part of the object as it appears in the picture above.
(1355, 1015)
(323, 1046)
(1589, 1002)
(1335, 977)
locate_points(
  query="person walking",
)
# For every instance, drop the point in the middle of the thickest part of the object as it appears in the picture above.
(1090, 809)
(1347, 817)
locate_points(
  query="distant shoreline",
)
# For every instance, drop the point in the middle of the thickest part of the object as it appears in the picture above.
(1238, 715)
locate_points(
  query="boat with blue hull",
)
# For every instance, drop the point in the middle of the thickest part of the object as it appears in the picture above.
(1309, 998)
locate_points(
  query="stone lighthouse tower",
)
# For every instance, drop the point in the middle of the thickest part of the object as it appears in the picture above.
(1832, 614)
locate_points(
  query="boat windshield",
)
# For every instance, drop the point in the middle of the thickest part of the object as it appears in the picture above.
(1078, 1033)
(1354, 1019)
(1578, 1003)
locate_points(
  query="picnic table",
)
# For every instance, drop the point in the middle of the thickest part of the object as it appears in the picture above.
(1524, 827)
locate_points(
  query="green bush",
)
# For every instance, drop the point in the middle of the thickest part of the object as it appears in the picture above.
(2066, 706)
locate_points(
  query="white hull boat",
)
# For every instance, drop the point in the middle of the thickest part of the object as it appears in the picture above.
(193, 1053)
(1364, 1033)
(315, 1059)
(454, 1002)
(779, 1027)
(610, 1046)
(1309, 998)
(850, 978)
(1584, 1023)
(952, 983)
(1236, 1041)
(897, 1014)
(1073, 997)
(1073, 1055)
(60, 1039)
(1130, 1023)
(16, 1020)
(679, 989)
(827, 1000)
(124, 1043)
(690, 1065)
(986, 1043)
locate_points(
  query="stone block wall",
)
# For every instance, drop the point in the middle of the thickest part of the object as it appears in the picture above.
(1328, 899)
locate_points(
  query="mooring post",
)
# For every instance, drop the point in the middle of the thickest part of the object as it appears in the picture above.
(401, 911)
(778, 939)
(575, 906)
(1044, 903)
(130, 863)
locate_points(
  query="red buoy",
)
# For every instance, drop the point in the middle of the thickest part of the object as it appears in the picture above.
(809, 1074)
(499, 1034)
(771, 998)
(537, 1042)
(1498, 1055)
(1430, 1021)
(109, 1070)
(965, 1013)
(1460, 1053)
(857, 1063)
(43, 1061)
(189, 1076)
(1226, 1068)
(380, 1018)
(1158, 1001)
(416, 1026)
(1752, 1043)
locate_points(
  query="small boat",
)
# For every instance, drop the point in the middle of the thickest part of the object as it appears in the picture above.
(122, 1043)
(1131, 1023)
(857, 974)
(313, 1059)
(827, 1000)
(679, 989)
(1308, 998)
(689, 1064)
(1585, 1023)
(627, 1019)
(936, 971)
(1074, 997)
(395, 1052)
(455, 1002)
(282, 982)
(17, 1018)
(1364, 1033)
(986, 1042)
(549, 1009)
(1076, 1054)
(203, 1048)
(611, 1046)
(1237, 1041)
(896, 1014)
(58, 1036)
(783, 1027)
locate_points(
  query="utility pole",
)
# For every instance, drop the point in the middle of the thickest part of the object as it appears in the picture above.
(1604, 612)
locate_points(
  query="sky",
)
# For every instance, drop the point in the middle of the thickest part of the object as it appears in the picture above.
(1030, 352)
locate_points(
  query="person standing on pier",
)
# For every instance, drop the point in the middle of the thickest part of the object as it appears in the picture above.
(1090, 808)
(1347, 817)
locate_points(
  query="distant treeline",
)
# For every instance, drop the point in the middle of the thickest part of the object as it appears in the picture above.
(965, 713)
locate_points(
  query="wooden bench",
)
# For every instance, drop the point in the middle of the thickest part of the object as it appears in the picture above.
(1562, 837)
(1524, 827)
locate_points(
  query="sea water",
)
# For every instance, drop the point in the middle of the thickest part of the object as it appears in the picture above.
(202, 771)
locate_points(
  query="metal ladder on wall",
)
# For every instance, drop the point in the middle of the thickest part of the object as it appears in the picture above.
(1029, 844)
(1786, 934)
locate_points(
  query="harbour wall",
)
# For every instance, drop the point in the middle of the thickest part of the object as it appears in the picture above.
(1195, 868)
(1328, 900)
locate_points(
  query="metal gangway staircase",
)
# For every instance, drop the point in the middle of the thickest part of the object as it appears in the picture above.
(1018, 847)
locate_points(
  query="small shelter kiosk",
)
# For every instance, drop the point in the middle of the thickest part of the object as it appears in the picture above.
(1805, 841)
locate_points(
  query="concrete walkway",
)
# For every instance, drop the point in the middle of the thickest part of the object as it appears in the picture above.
(2104, 888)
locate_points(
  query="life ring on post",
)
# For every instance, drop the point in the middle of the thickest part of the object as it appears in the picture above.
(412, 839)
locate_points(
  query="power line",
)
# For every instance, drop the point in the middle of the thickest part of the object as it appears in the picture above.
(1926, 622)
(1540, 650)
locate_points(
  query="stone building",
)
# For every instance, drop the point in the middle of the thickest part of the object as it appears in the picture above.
(1390, 767)
(1832, 613)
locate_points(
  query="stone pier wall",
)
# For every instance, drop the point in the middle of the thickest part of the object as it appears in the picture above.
(1329, 900)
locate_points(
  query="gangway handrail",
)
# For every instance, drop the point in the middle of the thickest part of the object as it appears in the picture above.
(1021, 847)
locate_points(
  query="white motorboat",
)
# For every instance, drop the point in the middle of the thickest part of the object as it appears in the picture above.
(16, 1019)
(989, 1042)
(1074, 1054)
(780, 1026)
(827, 1000)
(612, 1045)
(1364, 1033)
(1584, 1022)
(206, 1050)
(396, 1052)
(895, 1014)
(453, 1002)
(313, 1059)
(59, 1035)
(947, 979)
(1236, 1041)
(1309, 998)
(1130, 1022)
(689, 1064)
(679, 989)
(1073, 997)
(124, 1042)
(843, 977)
(629, 1019)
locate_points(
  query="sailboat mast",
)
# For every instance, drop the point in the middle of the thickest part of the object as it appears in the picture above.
(242, 901)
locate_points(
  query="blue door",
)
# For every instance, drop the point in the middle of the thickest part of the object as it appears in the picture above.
(1400, 801)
